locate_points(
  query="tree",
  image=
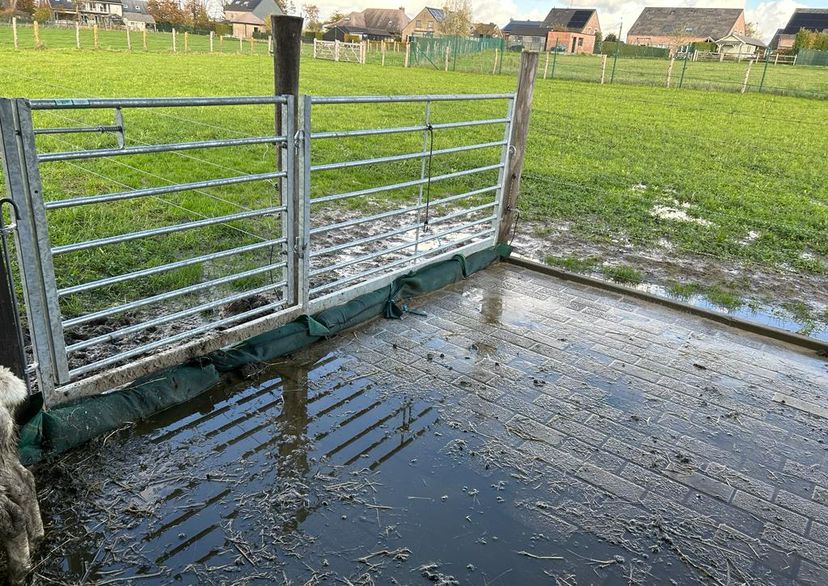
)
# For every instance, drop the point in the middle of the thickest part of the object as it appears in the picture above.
(611, 38)
(167, 12)
(598, 43)
(335, 17)
(42, 14)
(458, 18)
(806, 39)
(197, 15)
(752, 30)
(311, 14)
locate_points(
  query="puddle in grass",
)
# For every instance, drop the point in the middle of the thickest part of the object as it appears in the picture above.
(767, 316)
(314, 472)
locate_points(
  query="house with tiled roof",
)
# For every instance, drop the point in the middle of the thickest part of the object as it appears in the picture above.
(572, 30)
(371, 24)
(250, 16)
(427, 23)
(809, 19)
(136, 15)
(525, 34)
(668, 27)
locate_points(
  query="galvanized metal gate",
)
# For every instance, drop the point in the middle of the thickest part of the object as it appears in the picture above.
(287, 256)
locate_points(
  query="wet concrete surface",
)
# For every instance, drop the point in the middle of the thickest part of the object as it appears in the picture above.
(524, 431)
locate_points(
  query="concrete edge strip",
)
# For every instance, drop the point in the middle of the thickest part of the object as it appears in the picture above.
(738, 323)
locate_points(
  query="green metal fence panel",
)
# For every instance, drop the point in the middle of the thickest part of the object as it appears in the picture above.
(812, 57)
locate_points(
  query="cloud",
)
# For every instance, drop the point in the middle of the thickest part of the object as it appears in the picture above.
(770, 16)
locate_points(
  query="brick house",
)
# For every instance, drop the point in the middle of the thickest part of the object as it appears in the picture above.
(675, 27)
(572, 30)
(525, 34)
(811, 19)
(105, 13)
(249, 16)
(427, 23)
(372, 23)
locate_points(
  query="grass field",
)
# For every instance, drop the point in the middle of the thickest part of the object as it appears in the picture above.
(688, 188)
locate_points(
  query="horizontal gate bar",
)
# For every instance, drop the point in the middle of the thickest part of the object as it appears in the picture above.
(401, 129)
(166, 267)
(395, 99)
(403, 185)
(385, 266)
(149, 191)
(397, 248)
(159, 148)
(78, 129)
(407, 156)
(171, 317)
(92, 103)
(173, 339)
(75, 321)
(401, 211)
(163, 230)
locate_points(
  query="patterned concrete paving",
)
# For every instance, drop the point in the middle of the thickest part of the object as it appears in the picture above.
(524, 430)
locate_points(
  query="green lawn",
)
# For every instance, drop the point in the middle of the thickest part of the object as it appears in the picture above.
(745, 172)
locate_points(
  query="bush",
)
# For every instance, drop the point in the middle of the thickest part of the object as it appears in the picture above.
(42, 14)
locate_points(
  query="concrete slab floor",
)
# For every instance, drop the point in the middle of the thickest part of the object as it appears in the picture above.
(524, 431)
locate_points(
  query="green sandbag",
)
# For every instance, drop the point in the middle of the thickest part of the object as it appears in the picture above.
(356, 311)
(72, 424)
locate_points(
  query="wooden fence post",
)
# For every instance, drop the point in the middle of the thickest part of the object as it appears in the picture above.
(36, 29)
(77, 35)
(211, 41)
(494, 69)
(546, 65)
(670, 71)
(252, 45)
(603, 68)
(383, 54)
(175, 49)
(336, 50)
(747, 76)
(129, 40)
(95, 36)
(14, 32)
(287, 52)
(186, 41)
(221, 44)
(241, 45)
(520, 129)
(270, 44)
(315, 40)
(364, 47)
(407, 53)
(144, 38)
(448, 51)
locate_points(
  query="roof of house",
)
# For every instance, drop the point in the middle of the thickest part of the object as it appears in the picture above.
(568, 19)
(137, 11)
(741, 39)
(812, 19)
(374, 21)
(437, 13)
(261, 8)
(526, 28)
(484, 29)
(70, 6)
(711, 23)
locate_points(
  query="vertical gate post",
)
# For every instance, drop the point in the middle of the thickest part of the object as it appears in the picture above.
(517, 143)
(287, 49)
(33, 249)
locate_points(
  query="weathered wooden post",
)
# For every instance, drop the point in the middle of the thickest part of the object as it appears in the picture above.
(336, 50)
(129, 40)
(670, 71)
(287, 52)
(520, 130)
(315, 41)
(494, 68)
(241, 45)
(14, 32)
(211, 41)
(448, 51)
(747, 76)
(77, 35)
(603, 68)
(382, 50)
(95, 36)
(175, 49)
(36, 29)
(186, 41)
(546, 65)
(270, 44)
(407, 53)
(144, 38)
(221, 44)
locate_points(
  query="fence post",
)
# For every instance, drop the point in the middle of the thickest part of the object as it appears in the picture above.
(776, 59)
(11, 350)
(670, 71)
(407, 53)
(315, 40)
(144, 38)
(603, 68)
(546, 66)
(517, 144)
(336, 50)
(241, 45)
(129, 40)
(494, 67)
(615, 60)
(287, 51)
(36, 29)
(14, 31)
(554, 63)
(363, 51)
(94, 36)
(747, 76)
(683, 68)
(764, 72)
(383, 53)
(270, 44)
(448, 50)
(175, 49)
(252, 45)
(211, 41)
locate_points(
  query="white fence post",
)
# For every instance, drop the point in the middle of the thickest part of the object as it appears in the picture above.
(383, 53)
(315, 40)
(494, 69)
(336, 50)
(129, 40)
(14, 32)
(747, 76)
(211, 41)
(603, 68)
(670, 71)
(546, 65)
(241, 45)
(448, 50)
(173, 41)
(407, 53)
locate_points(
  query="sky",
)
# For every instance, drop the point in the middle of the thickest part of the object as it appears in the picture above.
(767, 15)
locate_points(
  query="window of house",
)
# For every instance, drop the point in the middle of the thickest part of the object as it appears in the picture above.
(430, 26)
(419, 24)
(581, 42)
